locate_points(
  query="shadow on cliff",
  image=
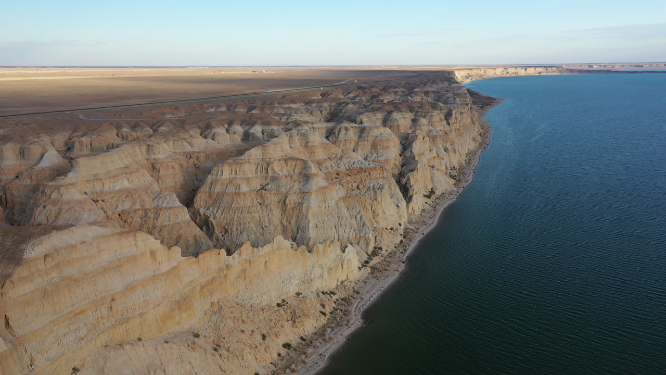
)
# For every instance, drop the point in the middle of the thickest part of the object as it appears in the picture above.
(15, 241)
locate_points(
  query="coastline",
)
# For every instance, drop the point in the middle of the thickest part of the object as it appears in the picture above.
(314, 355)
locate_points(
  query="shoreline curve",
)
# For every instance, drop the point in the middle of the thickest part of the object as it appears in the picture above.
(319, 353)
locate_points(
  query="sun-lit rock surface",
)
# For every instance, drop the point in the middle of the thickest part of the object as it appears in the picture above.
(300, 186)
(473, 74)
(113, 220)
(80, 288)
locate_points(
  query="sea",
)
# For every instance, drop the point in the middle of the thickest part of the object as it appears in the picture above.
(553, 260)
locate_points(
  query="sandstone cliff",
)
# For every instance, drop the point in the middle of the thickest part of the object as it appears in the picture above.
(163, 221)
(79, 289)
(474, 74)
(303, 187)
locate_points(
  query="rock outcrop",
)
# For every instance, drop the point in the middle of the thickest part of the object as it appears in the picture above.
(81, 288)
(475, 74)
(300, 186)
(210, 218)
(114, 189)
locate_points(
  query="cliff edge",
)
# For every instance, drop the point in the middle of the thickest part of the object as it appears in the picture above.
(207, 237)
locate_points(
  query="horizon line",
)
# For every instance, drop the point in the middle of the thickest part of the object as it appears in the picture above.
(317, 66)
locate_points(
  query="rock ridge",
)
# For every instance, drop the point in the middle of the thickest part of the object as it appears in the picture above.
(159, 221)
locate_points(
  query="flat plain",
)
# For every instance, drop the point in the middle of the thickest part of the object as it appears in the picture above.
(30, 90)
(37, 90)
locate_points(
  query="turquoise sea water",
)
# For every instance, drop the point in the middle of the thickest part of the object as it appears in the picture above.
(553, 260)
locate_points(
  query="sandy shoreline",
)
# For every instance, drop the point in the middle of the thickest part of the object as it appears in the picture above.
(332, 336)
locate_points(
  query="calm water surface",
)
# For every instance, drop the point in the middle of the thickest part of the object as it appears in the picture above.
(553, 261)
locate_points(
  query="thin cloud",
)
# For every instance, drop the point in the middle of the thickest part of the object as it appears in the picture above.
(35, 51)
(602, 37)
(626, 31)
(421, 33)
(633, 33)
(38, 45)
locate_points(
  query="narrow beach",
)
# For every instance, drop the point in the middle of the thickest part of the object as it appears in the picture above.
(328, 339)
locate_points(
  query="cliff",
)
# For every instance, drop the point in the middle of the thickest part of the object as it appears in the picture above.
(81, 288)
(303, 187)
(224, 218)
(475, 74)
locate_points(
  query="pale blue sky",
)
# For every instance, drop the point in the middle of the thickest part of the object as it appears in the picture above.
(417, 32)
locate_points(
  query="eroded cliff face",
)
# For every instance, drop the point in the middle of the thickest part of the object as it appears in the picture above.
(81, 288)
(162, 221)
(114, 189)
(474, 74)
(303, 187)
(345, 164)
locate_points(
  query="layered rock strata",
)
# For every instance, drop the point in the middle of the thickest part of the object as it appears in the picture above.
(303, 187)
(81, 288)
(159, 222)
(474, 74)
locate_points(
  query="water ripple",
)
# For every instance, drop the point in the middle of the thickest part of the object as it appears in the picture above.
(553, 260)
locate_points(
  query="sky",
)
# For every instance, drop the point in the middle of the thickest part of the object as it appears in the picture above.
(341, 32)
